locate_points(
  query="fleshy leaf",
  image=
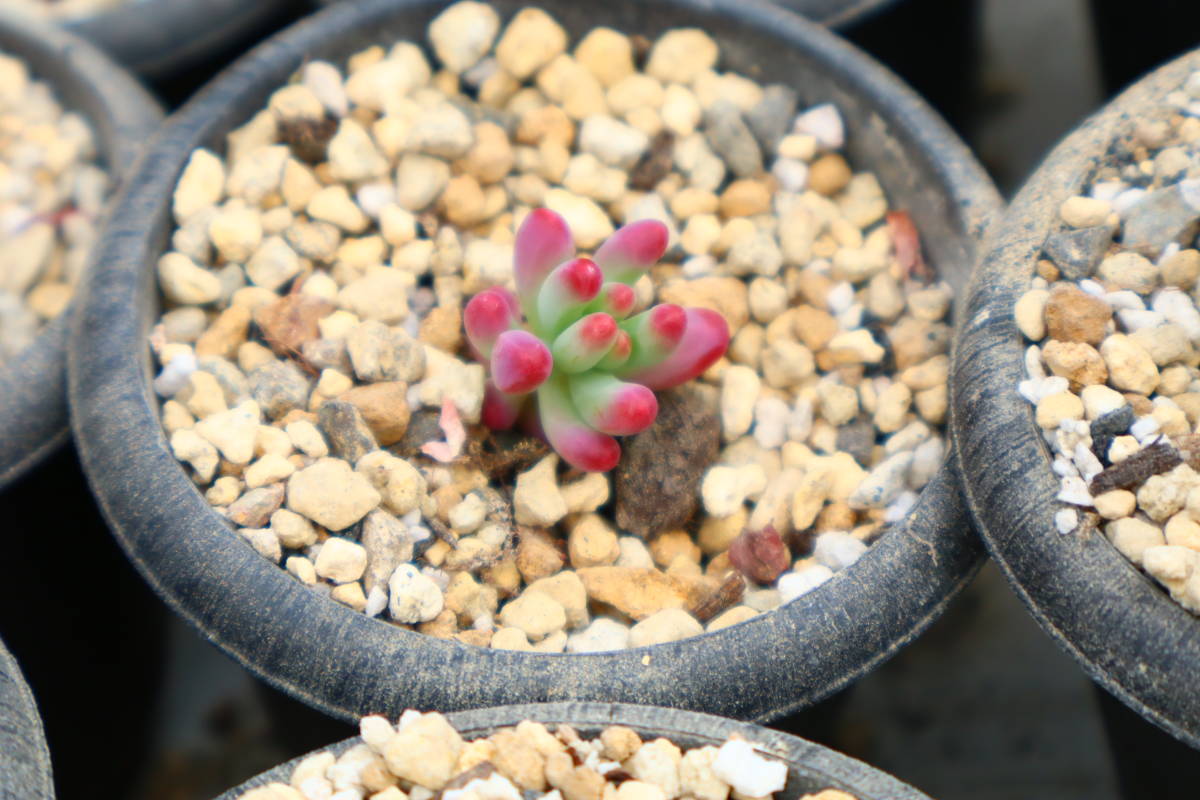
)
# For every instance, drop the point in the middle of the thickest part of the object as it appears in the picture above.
(585, 342)
(655, 333)
(618, 354)
(632, 250)
(580, 446)
(521, 362)
(542, 243)
(565, 294)
(613, 406)
(489, 314)
(705, 340)
(500, 411)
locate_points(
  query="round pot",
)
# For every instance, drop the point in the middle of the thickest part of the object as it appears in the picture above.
(33, 412)
(161, 38)
(348, 664)
(1125, 631)
(24, 758)
(811, 767)
(834, 13)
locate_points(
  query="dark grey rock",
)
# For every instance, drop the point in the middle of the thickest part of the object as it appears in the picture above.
(858, 439)
(386, 541)
(279, 387)
(1077, 252)
(731, 139)
(327, 354)
(771, 119)
(1108, 426)
(347, 432)
(1161, 217)
(233, 383)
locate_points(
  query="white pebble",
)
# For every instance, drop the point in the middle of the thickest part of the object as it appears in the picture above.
(898, 509)
(1089, 466)
(1143, 428)
(1093, 288)
(1125, 300)
(1107, 190)
(377, 601)
(175, 374)
(1064, 467)
(793, 584)
(840, 297)
(850, 318)
(791, 173)
(1075, 492)
(1033, 363)
(837, 550)
(1134, 320)
(1066, 520)
(824, 123)
(1127, 200)
(746, 771)
(1177, 307)
(770, 422)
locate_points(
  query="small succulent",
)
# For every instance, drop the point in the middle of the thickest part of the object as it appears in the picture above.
(566, 345)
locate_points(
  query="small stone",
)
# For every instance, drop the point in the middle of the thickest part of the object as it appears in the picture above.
(1115, 504)
(537, 500)
(612, 141)
(399, 482)
(233, 432)
(255, 507)
(589, 224)
(592, 543)
(536, 613)
(681, 54)
(748, 773)
(384, 408)
(341, 560)
(1029, 313)
(1129, 270)
(1077, 362)
(192, 449)
(306, 438)
(414, 597)
(331, 494)
(420, 180)
(1130, 367)
(531, 40)
(387, 544)
(278, 387)
(334, 205)
(352, 155)
(1132, 537)
(1076, 253)
(463, 34)
(604, 635)
(294, 531)
(1084, 212)
(425, 751)
(264, 543)
(730, 137)
(1054, 408)
(301, 569)
(201, 185)
(668, 625)
(887, 479)
(1161, 217)
(829, 174)
(183, 282)
(269, 469)
(586, 494)
(824, 123)
(739, 391)
(635, 592)
(344, 427)
(771, 118)
(382, 294)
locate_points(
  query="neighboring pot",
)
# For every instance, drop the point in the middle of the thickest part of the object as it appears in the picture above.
(834, 13)
(33, 386)
(24, 758)
(811, 767)
(1125, 631)
(348, 664)
(161, 38)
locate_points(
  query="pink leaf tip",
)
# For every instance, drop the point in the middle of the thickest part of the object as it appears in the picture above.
(521, 362)
(632, 250)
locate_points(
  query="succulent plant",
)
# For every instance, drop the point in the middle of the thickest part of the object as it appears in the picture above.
(566, 346)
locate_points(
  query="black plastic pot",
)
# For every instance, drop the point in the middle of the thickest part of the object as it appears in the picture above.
(162, 38)
(33, 386)
(834, 13)
(811, 767)
(1128, 635)
(24, 759)
(348, 664)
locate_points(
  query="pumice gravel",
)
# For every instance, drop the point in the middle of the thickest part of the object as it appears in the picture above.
(423, 756)
(52, 195)
(1112, 371)
(318, 388)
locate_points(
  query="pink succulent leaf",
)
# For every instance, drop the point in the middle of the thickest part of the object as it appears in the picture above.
(655, 333)
(585, 342)
(456, 435)
(579, 445)
(632, 250)
(566, 293)
(613, 406)
(521, 362)
(618, 354)
(500, 411)
(705, 340)
(542, 243)
(489, 314)
(615, 299)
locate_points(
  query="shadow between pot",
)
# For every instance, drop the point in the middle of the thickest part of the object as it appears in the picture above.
(347, 664)
(811, 767)
(24, 759)
(33, 386)
(1125, 632)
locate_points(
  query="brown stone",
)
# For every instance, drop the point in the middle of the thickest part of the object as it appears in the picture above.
(226, 333)
(1079, 363)
(537, 555)
(829, 174)
(745, 198)
(657, 481)
(442, 328)
(1073, 315)
(291, 321)
(815, 327)
(384, 406)
(636, 592)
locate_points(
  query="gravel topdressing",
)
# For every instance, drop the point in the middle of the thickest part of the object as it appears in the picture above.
(52, 194)
(423, 756)
(312, 345)
(1113, 371)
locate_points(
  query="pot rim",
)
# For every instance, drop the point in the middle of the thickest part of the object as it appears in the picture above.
(160, 38)
(122, 114)
(24, 757)
(924, 561)
(1147, 652)
(693, 728)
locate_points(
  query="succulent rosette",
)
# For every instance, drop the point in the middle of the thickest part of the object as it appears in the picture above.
(564, 353)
